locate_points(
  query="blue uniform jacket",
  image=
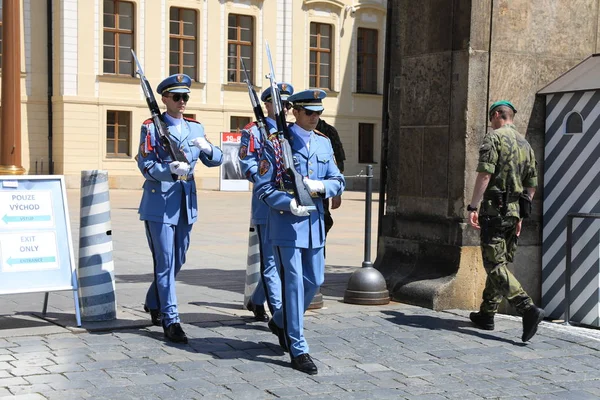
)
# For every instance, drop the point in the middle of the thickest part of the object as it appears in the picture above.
(250, 147)
(164, 195)
(318, 163)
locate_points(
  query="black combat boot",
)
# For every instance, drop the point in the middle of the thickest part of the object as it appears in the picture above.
(531, 319)
(259, 311)
(154, 315)
(304, 363)
(175, 333)
(280, 333)
(483, 321)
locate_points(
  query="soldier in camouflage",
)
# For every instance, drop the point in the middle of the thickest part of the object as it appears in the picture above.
(340, 156)
(506, 170)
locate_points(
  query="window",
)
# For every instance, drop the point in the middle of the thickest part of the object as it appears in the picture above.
(320, 55)
(574, 123)
(118, 37)
(190, 116)
(366, 55)
(182, 42)
(239, 45)
(365, 143)
(118, 134)
(238, 123)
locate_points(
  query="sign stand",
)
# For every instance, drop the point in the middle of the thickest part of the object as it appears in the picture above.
(231, 176)
(36, 251)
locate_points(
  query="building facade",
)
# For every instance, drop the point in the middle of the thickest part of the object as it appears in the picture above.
(97, 105)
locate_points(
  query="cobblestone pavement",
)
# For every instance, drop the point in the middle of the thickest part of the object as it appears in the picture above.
(394, 351)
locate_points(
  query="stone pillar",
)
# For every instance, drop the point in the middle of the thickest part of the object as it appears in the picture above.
(449, 61)
(10, 131)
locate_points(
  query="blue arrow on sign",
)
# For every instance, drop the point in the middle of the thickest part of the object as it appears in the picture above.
(30, 260)
(25, 218)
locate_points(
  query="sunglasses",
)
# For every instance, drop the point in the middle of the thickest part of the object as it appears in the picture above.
(310, 112)
(178, 96)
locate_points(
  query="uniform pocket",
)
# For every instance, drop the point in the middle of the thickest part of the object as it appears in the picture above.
(323, 161)
(194, 152)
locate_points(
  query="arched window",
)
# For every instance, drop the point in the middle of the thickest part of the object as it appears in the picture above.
(574, 123)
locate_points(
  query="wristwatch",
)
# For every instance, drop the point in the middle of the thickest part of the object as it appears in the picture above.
(469, 208)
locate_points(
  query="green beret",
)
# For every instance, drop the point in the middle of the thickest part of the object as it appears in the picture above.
(503, 103)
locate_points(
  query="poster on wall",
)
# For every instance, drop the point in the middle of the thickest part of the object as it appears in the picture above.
(231, 176)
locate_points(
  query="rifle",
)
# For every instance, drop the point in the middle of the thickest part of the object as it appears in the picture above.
(261, 121)
(301, 193)
(160, 125)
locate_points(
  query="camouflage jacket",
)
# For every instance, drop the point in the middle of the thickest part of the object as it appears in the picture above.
(336, 142)
(509, 158)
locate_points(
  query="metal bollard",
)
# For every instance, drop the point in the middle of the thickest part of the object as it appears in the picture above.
(367, 286)
(96, 268)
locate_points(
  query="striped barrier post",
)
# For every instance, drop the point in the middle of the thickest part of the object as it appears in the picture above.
(252, 265)
(96, 269)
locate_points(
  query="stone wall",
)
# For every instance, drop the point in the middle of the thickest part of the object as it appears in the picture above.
(444, 75)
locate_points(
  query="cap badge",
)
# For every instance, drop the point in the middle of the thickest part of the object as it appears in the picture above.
(284, 86)
(316, 94)
(179, 78)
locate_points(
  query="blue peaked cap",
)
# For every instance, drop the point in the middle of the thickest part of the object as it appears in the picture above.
(309, 99)
(178, 83)
(285, 91)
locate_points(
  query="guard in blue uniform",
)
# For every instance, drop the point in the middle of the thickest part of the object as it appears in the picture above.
(298, 236)
(251, 149)
(169, 204)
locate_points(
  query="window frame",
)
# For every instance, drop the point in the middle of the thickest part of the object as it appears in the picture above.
(238, 117)
(181, 37)
(116, 31)
(239, 71)
(116, 155)
(568, 117)
(361, 142)
(365, 74)
(319, 51)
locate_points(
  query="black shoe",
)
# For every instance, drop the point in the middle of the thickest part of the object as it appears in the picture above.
(154, 315)
(304, 364)
(531, 319)
(280, 333)
(483, 321)
(175, 334)
(259, 311)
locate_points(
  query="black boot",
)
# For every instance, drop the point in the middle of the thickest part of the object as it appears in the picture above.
(531, 319)
(259, 311)
(483, 321)
(280, 333)
(175, 334)
(154, 315)
(304, 363)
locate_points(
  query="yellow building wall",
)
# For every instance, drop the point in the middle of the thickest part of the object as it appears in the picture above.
(83, 94)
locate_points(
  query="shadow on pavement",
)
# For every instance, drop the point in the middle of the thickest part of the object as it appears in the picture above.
(446, 323)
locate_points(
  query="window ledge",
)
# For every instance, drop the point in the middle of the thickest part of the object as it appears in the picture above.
(365, 94)
(118, 79)
(330, 93)
(238, 87)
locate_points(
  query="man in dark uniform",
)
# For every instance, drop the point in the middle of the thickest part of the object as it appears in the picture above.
(506, 169)
(340, 156)
(169, 206)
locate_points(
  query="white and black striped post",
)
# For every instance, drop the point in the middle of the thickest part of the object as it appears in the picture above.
(96, 269)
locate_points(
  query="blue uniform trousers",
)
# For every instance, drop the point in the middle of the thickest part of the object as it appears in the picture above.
(270, 282)
(302, 272)
(169, 244)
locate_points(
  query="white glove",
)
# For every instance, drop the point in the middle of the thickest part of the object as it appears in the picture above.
(298, 211)
(179, 168)
(314, 186)
(202, 144)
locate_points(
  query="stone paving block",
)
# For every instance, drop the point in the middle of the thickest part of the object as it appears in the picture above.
(24, 389)
(61, 368)
(25, 371)
(29, 396)
(287, 392)
(71, 394)
(6, 382)
(370, 368)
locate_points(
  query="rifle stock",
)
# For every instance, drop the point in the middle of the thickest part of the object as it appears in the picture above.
(163, 132)
(301, 192)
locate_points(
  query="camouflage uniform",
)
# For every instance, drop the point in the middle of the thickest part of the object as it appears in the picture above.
(340, 156)
(508, 157)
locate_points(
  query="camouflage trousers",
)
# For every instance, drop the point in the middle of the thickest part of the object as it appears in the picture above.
(498, 245)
